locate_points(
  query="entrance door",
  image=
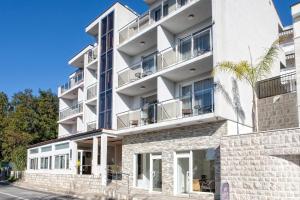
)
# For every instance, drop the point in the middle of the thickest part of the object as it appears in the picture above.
(183, 173)
(156, 178)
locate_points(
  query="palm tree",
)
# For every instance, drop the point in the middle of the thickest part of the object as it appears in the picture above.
(252, 73)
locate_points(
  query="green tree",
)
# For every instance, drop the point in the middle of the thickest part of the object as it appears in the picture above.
(4, 104)
(252, 73)
(12, 140)
(18, 158)
(47, 110)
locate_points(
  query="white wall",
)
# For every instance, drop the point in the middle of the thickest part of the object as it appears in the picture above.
(240, 25)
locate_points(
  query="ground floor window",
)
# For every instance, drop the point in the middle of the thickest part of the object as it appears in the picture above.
(46, 162)
(204, 170)
(62, 161)
(195, 171)
(34, 163)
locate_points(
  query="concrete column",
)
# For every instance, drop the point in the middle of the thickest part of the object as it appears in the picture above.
(296, 18)
(95, 156)
(104, 159)
(74, 158)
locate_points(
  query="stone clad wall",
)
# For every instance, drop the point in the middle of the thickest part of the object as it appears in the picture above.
(64, 182)
(278, 112)
(263, 166)
(169, 141)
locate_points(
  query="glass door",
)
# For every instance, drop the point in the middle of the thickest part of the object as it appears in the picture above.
(185, 48)
(183, 175)
(149, 65)
(79, 162)
(186, 92)
(156, 178)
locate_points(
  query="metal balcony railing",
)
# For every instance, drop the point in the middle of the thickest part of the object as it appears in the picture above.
(278, 85)
(91, 92)
(91, 126)
(196, 45)
(74, 81)
(92, 55)
(150, 17)
(198, 103)
(78, 108)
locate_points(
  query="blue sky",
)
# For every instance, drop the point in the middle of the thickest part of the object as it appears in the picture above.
(38, 37)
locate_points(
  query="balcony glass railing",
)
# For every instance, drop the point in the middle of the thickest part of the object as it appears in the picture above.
(193, 46)
(70, 111)
(92, 55)
(91, 126)
(150, 17)
(91, 92)
(76, 80)
(198, 103)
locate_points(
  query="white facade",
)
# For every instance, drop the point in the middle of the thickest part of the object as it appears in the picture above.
(161, 76)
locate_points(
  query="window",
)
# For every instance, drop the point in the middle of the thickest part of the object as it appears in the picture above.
(104, 26)
(62, 161)
(103, 44)
(62, 146)
(102, 82)
(103, 63)
(34, 151)
(111, 21)
(204, 170)
(109, 60)
(45, 163)
(46, 149)
(203, 96)
(110, 40)
(34, 163)
(149, 64)
(166, 9)
(106, 65)
(201, 43)
(185, 48)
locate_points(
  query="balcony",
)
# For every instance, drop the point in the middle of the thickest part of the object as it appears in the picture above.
(73, 82)
(92, 55)
(196, 104)
(151, 17)
(192, 47)
(283, 84)
(70, 112)
(91, 92)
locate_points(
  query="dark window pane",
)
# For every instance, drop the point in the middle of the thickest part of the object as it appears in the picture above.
(110, 40)
(108, 100)
(103, 44)
(111, 21)
(109, 60)
(102, 102)
(101, 120)
(109, 80)
(103, 63)
(108, 120)
(104, 26)
(102, 82)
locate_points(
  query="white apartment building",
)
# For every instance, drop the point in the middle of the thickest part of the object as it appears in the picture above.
(143, 98)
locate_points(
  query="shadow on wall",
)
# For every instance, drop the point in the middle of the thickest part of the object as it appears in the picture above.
(234, 101)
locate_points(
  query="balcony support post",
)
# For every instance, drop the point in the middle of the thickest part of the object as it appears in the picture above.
(95, 168)
(103, 159)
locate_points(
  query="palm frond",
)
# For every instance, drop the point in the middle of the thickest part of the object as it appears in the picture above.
(266, 61)
(239, 70)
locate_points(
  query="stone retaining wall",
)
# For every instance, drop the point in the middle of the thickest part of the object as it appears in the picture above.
(278, 112)
(64, 183)
(263, 166)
